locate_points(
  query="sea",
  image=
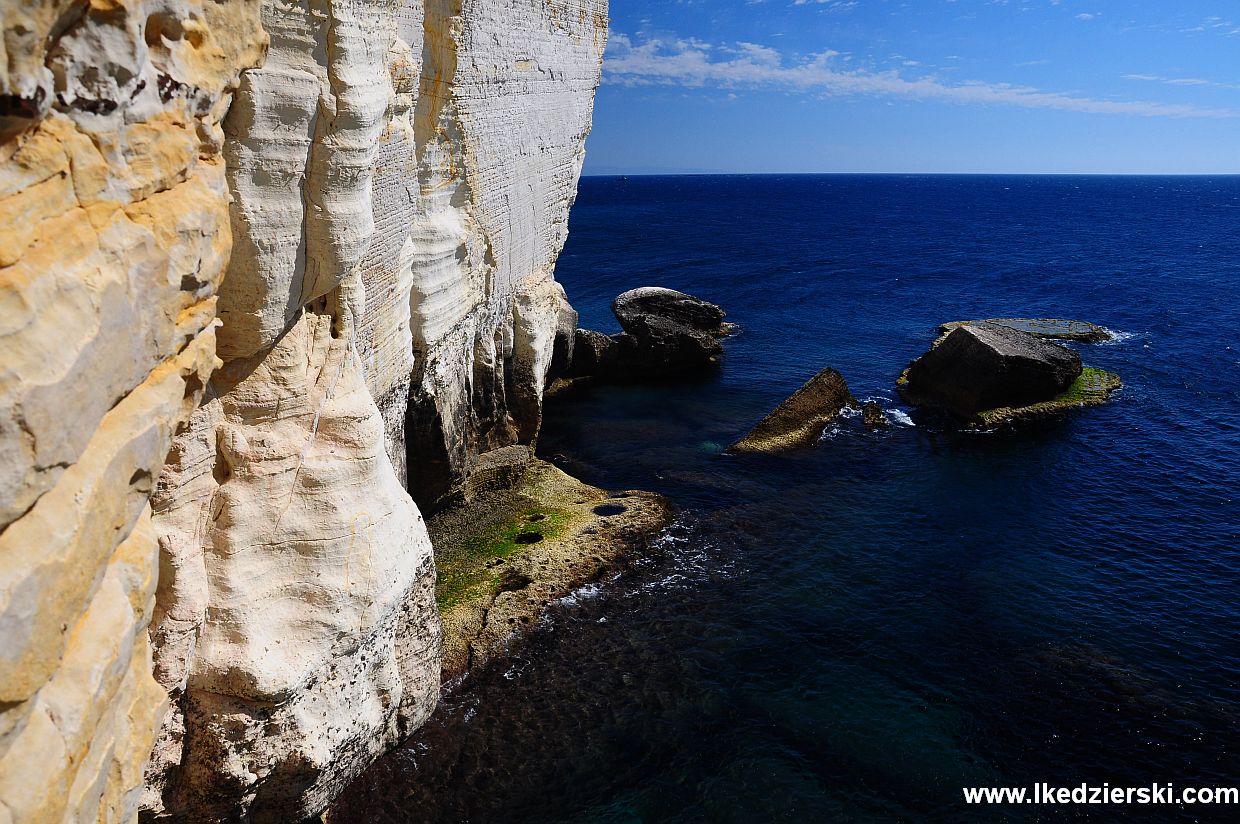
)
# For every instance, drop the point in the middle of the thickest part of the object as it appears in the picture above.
(859, 631)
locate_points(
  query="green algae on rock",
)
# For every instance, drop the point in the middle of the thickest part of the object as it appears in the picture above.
(506, 554)
(1092, 387)
(799, 421)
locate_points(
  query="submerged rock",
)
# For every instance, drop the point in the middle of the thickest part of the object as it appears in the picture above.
(799, 421)
(1051, 328)
(977, 367)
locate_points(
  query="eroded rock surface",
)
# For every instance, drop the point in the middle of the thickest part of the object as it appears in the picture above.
(509, 553)
(1050, 328)
(114, 235)
(401, 175)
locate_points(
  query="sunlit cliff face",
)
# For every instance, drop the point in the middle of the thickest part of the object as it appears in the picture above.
(374, 216)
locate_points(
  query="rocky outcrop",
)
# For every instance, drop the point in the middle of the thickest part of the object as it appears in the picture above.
(666, 333)
(399, 176)
(977, 367)
(114, 236)
(872, 415)
(799, 421)
(635, 305)
(507, 554)
(1093, 387)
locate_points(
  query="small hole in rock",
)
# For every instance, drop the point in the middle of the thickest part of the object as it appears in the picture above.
(607, 510)
(513, 581)
(528, 537)
(537, 516)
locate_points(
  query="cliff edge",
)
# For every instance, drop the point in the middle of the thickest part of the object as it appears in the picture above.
(267, 270)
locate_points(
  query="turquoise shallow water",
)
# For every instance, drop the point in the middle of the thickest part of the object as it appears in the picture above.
(855, 632)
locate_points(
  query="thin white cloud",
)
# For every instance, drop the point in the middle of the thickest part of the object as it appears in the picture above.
(1181, 81)
(1220, 25)
(832, 5)
(695, 64)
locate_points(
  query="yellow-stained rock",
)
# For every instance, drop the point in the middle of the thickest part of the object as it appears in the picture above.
(114, 233)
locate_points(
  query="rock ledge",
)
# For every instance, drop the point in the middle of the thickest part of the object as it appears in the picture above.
(506, 555)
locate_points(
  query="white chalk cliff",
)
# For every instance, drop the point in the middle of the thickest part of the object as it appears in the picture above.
(211, 565)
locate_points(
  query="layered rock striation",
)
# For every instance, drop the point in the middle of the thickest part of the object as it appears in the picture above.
(372, 207)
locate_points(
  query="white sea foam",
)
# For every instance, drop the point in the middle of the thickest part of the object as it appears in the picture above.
(688, 561)
(834, 429)
(583, 593)
(830, 432)
(1121, 337)
(901, 417)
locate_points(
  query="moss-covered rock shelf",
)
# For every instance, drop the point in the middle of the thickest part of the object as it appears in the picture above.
(475, 569)
(507, 554)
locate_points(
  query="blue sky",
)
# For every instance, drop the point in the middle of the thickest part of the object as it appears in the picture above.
(1038, 86)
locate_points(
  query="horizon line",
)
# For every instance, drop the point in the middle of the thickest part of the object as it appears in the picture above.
(907, 174)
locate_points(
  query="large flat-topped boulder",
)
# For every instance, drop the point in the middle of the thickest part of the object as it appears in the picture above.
(984, 366)
(1051, 328)
(631, 307)
(799, 421)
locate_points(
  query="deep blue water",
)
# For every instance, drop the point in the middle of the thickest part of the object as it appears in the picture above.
(855, 632)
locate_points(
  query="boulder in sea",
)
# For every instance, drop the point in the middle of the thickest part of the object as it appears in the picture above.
(655, 301)
(977, 367)
(1051, 328)
(653, 346)
(872, 416)
(799, 421)
(666, 333)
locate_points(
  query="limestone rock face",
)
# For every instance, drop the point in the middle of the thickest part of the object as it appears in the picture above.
(498, 131)
(114, 235)
(401, 175)
(295, 627)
